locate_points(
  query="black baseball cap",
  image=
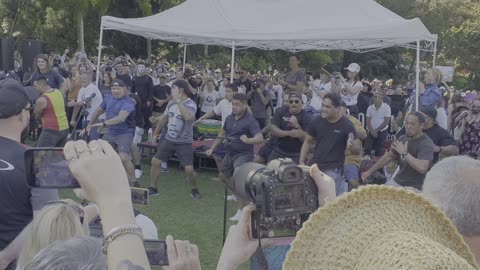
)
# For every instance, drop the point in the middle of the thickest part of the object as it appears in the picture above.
(295, 94)
(181, 84)
(429, 111)
(14, 99)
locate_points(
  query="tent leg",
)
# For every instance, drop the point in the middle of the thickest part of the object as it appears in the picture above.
(100, 42)
(434, 54)
(184, 56)
(417, 77)
(232, 67)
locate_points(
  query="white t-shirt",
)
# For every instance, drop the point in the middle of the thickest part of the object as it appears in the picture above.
(224, 109)
(86, 92)
(349, 99)
(221, 91)
(209, 100)
(378, 116)
(316, 101)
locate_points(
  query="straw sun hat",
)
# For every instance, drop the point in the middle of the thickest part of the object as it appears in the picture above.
(379, 228)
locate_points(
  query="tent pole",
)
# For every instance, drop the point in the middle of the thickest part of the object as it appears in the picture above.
(434, 53)
(417, 76)
(184, 57)
(232, 67)
(99, 54)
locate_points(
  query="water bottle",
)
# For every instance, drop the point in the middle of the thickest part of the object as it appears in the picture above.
(150, 133)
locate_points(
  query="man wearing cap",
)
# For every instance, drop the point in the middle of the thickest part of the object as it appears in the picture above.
(88, 90)
(50, 112)
(444, 142)
(240, 132)
(351, 87)
(259, 101)
(414, 151)
(120, 123)
(289, 125)
(331, 133)
(178, 120)
(19, 202)
(378, 118)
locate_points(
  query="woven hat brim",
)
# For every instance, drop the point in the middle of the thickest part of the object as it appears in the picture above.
(336, 235)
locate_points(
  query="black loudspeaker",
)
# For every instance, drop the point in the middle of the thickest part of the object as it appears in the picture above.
(30, 49)
(8, 50)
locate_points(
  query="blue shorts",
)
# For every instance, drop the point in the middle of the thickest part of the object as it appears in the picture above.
(220, 151)
(351, 172)
(123, 142)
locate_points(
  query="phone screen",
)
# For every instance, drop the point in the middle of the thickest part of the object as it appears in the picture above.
(276, 227)
(156, 252)
(139, 196)
(47, 168)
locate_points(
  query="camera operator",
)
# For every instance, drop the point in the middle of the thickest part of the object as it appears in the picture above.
(260, 99)
(240, 132)
(120, 123)
(50, 112)
(19, 202)
(289, 125)
(331, 132)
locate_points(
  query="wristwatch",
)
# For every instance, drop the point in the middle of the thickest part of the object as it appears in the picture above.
(403, 155)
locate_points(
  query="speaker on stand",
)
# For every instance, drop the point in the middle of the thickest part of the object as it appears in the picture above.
(30, 48)
(7, 51)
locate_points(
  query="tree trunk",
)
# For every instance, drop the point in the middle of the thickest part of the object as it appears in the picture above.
(149, 50)
(80, 33)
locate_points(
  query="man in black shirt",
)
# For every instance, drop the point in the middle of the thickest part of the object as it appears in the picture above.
(289, 125)
(18, 202)
(444, 142)
(244, 84)
(143, 86)
(331, 132)
(161, 96)
(123, 74)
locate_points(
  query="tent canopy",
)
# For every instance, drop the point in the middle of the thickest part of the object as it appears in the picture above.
(293, 25)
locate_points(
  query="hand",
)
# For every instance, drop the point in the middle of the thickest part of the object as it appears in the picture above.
(374, 133)
(325, 185)
(259, 90)
(294, 121)
(437, 149)
(244, 139)
(239, 246)
(196, 122)
(301, 163)
(209, 152)
(71, 103)
(88, 128)
(365, 176)
(182, 255)
(5, 260)
(176, 95)
(67, 51)
(350, 141)
(400, 148)
(72, 123)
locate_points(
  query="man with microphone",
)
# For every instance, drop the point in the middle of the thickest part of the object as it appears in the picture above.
(90, 97)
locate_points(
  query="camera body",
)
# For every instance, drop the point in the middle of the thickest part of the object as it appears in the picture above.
(255, 85)
(284, 193)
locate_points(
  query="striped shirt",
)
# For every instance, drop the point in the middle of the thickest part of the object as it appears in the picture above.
(54, 116)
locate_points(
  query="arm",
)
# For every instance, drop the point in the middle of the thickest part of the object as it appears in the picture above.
(449, 150)
(209, 114)
(96, 114)
(160, 124)
(40, 106)
(278, 132)
(352, 90)
(12, 251)
(307, 143)
(418, 165)
(389, 156)
(369, 125)
(120, 118)
(386, 120)
(218, 140)
(356, 147)
(257, 139)
(186, 114)
(192, 89)
(263, 98)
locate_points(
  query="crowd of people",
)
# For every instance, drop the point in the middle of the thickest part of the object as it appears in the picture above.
(351, 132)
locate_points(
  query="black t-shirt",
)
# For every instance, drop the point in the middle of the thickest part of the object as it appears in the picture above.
(234, 129)
(247, 84)
(331, 141)
(143, 87)
(139, 122)
(363, 101)
(398, 103)
(161, 92)
(281, 120)
(125, 79)
(16, 209)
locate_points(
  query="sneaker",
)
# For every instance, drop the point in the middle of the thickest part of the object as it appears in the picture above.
(152, 191)
(237, 216)
(164, 167)
(196, 195)
(138, 173)
(135, 184)
(231, 198)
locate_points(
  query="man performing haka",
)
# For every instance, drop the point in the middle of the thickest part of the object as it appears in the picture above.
(178, 117)
(120, 109)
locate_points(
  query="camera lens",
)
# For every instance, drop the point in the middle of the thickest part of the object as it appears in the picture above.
(245, 179)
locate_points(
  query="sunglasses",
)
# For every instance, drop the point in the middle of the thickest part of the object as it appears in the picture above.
(75, 208)
(296, 101)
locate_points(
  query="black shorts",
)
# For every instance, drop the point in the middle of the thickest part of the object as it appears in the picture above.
(184, 152)
(229, 163)
(265, 151)
(276, 153)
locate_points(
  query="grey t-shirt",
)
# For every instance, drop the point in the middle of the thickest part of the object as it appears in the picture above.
(421, 148)
(294, 77)
(259, 110)
(180, 131)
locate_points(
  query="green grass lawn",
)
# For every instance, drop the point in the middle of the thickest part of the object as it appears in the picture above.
(176, 213)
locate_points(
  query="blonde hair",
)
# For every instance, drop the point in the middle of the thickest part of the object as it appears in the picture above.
(55, 222)
(438, 74)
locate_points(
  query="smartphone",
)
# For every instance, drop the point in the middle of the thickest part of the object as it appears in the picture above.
(139, 196)
(46, 167)
(277, 227)
(156, 252)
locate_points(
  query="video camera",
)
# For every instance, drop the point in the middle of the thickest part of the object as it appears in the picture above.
(283, 192)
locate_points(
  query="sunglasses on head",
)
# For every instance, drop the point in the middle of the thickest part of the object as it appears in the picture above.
(296, 101)
(74, 207)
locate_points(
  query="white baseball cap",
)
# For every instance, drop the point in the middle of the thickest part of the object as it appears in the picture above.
(353, 67)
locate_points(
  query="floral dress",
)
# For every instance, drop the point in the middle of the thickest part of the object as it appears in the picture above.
(470, 140)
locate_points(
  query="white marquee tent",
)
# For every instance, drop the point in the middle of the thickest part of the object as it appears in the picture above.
(292, 25)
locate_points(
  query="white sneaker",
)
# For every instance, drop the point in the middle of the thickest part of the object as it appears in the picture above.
(138, 173)
(231, 198)
(164, 167)
(237, 216)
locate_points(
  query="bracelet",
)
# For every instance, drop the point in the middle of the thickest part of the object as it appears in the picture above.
(119, 231)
